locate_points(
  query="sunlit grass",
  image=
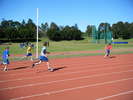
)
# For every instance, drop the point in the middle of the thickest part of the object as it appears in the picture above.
(64, 46)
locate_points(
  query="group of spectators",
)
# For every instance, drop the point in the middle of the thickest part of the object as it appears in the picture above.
(26, 44)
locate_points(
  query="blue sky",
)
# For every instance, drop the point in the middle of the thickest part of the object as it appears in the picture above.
(68, 12)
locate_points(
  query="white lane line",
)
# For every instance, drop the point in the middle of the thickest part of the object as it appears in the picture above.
(72, 68)
(70, 89)
(115, 95)
(29, 78)
(70, 79)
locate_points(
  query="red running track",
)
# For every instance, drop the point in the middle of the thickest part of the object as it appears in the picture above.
(82, 78)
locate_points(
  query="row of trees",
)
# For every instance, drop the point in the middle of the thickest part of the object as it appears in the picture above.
(57, 33)
(25, 31)
(120, 29)
(14, 30)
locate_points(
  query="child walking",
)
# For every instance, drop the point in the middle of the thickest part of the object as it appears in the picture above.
(5, 60)
(108, 50)
(43, 58)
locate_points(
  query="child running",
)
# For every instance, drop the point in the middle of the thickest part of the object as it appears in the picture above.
(43, 58)
(29, 54)
(108, 50)
(5, 56)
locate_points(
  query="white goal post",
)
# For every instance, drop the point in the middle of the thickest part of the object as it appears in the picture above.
(37, 34)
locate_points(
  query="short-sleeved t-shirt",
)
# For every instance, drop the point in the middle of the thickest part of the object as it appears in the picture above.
(5, 54)
(109, 47)
(43, 51)
(29, 50)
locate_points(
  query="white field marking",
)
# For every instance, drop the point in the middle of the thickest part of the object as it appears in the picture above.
(115, 95)
(70, 79)
(29, 78)
(70, 89)
(71, 68)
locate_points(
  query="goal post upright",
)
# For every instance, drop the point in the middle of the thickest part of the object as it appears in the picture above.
(37, 34)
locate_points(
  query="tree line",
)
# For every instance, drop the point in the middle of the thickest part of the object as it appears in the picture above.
(58, 33)
(120, 29)
(14, 30)
(26, 31)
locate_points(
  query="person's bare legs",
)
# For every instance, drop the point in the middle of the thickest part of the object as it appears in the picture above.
(49, 67)
(5, 67)
(31, 58)
(36, 63)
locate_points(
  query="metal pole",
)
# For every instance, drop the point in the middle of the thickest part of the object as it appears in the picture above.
(37, 35)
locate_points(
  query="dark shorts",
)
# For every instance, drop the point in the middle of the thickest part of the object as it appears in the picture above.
(43, 58)
(5, 61)
(107, 52)
(29, 54)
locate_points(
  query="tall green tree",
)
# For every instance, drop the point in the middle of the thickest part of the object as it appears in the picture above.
(71, 33)
(130, 29)
(54, 32)
(43, 29)
(122, 30)
(89, 30)
(31, 30)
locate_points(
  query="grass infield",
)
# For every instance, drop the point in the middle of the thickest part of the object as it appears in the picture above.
(65, 46)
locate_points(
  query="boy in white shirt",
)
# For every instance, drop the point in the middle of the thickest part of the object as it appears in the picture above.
(43, 58)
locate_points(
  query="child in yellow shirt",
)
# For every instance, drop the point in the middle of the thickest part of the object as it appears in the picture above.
(29, 54)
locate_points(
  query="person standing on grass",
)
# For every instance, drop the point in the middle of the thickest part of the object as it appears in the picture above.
(29, 54)
(5, 58)
(108, 50)
(43, 57)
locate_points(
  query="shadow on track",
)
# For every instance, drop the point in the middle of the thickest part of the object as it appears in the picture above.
(54, 69)
(18, 68)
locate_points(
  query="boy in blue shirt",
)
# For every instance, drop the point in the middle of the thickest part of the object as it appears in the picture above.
(5, 56)
(43, 58)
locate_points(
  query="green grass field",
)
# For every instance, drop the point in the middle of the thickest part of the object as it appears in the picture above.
(65, 46)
